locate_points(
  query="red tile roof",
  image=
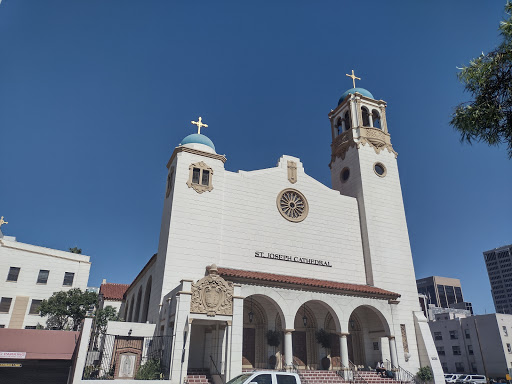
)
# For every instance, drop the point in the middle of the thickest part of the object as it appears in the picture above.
(344, 288)
(112, 291)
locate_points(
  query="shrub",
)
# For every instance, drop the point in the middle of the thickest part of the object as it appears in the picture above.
(425, 374)
(149, 371)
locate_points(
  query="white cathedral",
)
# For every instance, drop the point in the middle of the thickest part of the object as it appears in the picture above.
(244, 253)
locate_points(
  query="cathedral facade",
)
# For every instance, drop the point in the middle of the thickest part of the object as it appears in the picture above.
(254, 268)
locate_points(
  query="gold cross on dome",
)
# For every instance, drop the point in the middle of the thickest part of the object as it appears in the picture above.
(199, 124)
(354, 77)
(2, 221)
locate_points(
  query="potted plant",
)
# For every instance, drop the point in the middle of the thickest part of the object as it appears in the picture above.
(274, 340)
(324, 339)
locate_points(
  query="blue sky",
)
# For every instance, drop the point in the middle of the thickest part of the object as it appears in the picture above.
(94, 96)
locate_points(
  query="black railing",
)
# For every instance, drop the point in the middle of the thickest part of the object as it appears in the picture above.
(217, 370)
(401, 375)
(126, 357)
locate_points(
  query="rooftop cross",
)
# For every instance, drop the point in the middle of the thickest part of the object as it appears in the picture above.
(2, 221)
(199, 124)
(354, 77)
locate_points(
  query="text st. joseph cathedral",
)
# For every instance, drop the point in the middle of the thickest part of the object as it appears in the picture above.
(244, 253)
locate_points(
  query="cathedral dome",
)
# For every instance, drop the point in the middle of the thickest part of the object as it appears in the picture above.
(197, 138)
(362, 91)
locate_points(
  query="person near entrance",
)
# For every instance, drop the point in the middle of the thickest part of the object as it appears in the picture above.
(380, 368)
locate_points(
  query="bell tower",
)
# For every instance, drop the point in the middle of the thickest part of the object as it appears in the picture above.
(363, 165)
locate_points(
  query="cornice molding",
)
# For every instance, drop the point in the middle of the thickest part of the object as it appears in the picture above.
(195, 152)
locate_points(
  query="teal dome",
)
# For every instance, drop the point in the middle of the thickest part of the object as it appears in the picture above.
(197, 138)
(362, 91)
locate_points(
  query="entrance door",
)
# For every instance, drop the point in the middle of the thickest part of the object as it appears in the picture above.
(300, 351)
(249, 347)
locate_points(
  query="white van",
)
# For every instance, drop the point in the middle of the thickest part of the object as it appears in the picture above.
(451, 378)
(477, 379)
(266, 377)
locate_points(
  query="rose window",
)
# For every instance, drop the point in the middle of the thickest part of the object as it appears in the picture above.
(292, 205)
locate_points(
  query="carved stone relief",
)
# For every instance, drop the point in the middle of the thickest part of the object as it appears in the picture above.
(292, 172)
(212, 295)
(404, 338)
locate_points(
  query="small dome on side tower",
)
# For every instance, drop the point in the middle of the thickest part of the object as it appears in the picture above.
(197, 138)
(362, 91)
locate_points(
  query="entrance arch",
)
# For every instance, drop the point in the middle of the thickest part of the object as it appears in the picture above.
(261, 314)
(311, 317)
(367, 341)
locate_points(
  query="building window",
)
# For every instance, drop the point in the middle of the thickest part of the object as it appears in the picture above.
(170, 177)
(473, 368)
(454, 335)
(505, 332)
(509, 348)
(470, 349)
(380, 169)
(30, 327)
(445, 367)
(375, 345)
(200, 177)
(2, 325)
(34, 307)
(459, 367)
(13, 274)
(345, 174)
(5, 304)
(68, 279)
(42, 278)
(456, 350)
(440, 351)
(438, 336)
(466, 332)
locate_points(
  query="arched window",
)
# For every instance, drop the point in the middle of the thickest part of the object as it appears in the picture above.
(339, 126)
(147, 296)
(137, 308)
(376, 118)
(127, 310)
(348, 123)
(132, 305)
(366, 117)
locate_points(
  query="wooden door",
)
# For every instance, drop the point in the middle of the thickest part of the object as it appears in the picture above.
(249, 347)
(300, 351)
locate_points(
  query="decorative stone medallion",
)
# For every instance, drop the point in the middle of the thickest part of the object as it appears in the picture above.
(292, 205)
(212, 295)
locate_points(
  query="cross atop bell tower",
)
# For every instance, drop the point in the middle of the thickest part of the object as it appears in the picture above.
(199, 124)
(354, 77)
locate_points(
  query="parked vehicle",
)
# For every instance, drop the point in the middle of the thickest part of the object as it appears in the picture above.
(472, 379)
(266, 377)
(451, 378)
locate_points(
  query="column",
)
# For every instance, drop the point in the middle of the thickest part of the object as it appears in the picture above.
(383, 123)
(288, 348)
(181, 334)
(237, 331)
(228, 352)
(344, 350)
(392, 351)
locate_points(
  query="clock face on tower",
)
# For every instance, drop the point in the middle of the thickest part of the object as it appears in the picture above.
(292, 205)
